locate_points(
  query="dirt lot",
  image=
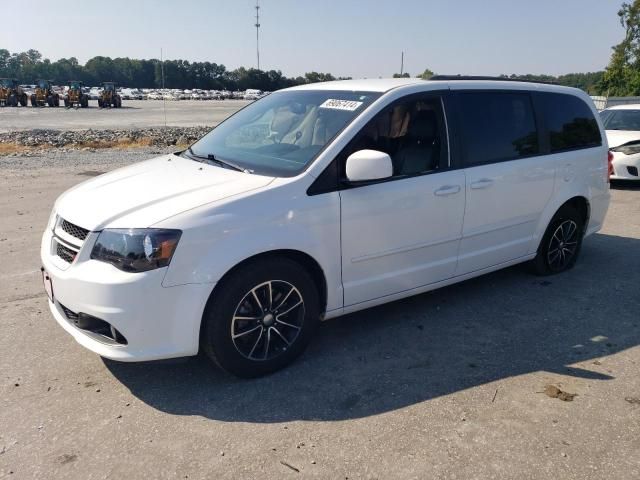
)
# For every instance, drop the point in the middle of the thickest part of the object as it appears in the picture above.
(133, 114)
(443, 385)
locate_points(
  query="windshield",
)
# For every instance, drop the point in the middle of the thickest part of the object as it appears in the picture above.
(282, 133)
(621, 119)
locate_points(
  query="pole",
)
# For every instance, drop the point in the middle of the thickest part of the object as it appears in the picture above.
(258, 32)
(164, 100)
(401, 63)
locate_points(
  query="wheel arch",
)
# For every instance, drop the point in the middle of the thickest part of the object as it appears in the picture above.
(578, 202)
(582, 205)
(305, 260)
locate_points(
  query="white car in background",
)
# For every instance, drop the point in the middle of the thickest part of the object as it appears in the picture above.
(94, 93)
(622, 124)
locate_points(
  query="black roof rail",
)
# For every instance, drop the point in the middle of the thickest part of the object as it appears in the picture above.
(496, 79)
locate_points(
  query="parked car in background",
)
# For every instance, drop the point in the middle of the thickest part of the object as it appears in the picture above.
(622, 124)
(94, 93)
(252, 94)
(321, 200)
(131, 94)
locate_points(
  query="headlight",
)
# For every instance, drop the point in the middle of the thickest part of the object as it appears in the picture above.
(136, 250)
(628, 149)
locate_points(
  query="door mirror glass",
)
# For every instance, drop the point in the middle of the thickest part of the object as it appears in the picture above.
(365, 165)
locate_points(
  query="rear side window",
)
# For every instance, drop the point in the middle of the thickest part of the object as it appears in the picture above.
(570, 122)
(497, 126)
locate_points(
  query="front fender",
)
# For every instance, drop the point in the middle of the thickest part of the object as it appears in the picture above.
(217, 238)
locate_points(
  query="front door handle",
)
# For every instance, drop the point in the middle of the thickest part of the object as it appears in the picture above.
(447, 190)
(482, 183)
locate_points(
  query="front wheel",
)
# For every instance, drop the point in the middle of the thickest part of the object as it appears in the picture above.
(561, 243)
(261, 317)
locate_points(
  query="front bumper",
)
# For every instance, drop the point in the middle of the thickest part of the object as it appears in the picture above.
(158, 322)
(625, 167)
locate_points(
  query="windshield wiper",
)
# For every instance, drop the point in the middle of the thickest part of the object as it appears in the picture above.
(211, 158)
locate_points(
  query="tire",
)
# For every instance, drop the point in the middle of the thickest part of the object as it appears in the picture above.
(33, 101)
(66, 102)
(12, 101)
(561, 243)
(266, 339)
(50, 101)
(84, 102)
(99, 103)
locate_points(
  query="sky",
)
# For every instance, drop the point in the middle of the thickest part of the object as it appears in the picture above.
(356, 38)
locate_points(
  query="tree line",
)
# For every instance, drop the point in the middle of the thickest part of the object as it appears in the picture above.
(621, 78)
(30, 65)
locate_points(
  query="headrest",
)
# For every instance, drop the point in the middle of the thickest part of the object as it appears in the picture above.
(422, 125)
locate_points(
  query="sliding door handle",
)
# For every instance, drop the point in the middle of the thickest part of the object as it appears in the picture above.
(447, 190)
(482, 183)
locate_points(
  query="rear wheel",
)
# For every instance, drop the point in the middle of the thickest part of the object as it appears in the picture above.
(561, 243)
(33, 101)
(261, 317)
(23, 100)
(56, 101)
(12, 100)
(50, 101)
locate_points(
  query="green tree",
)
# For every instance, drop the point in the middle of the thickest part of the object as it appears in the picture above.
(426, 75)
(402, 75)
(622, 76)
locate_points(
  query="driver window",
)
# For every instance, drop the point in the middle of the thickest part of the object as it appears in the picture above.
(412, 133)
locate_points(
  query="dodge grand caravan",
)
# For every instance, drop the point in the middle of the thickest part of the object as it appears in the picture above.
(321, 200)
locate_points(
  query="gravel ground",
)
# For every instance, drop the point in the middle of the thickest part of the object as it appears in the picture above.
(133, 114)
(447, 384)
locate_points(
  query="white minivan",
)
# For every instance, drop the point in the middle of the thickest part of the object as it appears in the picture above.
(321, 200)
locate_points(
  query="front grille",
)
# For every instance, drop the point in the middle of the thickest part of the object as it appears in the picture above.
(74, 230)
(65, 253)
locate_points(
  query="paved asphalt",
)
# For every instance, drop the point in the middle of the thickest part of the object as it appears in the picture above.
(133, 114)
(447, 384)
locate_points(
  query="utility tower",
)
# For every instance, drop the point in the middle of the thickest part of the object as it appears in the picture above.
(257, 25)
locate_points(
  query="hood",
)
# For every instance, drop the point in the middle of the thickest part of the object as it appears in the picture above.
(615, 138)
(143, 194)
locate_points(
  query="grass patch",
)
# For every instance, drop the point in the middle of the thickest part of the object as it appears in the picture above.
(121, 144)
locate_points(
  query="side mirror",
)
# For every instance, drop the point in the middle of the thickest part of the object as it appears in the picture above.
(365, 165)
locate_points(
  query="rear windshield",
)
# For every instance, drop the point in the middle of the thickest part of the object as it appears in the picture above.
(283, 132)
(621, 119)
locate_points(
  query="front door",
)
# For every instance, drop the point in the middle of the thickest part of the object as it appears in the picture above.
(404, 232)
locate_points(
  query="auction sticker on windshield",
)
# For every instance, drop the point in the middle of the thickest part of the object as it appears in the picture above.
(349, 105)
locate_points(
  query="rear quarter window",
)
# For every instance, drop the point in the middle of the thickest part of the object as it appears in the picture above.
(570, 122)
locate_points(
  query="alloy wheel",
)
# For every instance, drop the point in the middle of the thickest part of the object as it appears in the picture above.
(563, 245)
(268, 320)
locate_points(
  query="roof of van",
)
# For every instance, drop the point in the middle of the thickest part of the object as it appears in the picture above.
(361, 85)
(383, 85)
